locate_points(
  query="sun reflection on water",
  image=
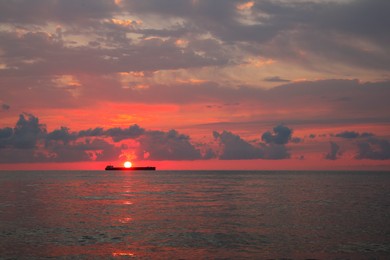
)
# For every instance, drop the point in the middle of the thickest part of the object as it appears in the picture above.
(123, 254)
(125, 220)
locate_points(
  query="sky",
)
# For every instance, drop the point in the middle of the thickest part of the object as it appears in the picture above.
(195, 84)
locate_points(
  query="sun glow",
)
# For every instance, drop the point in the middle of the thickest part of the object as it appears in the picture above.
(127, 164)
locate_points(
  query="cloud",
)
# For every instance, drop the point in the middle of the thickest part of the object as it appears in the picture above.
(5, 107)
(62, 145)
(93, 37)
(159, 145)
(276, 79)
(61, 134)
(373, 149)
(27, 132)
(281, 135)
(353, 134)
(233, 147)
(119, 134)
(88, 150)
(20, 143)
(334, 151)
(5, 134)
(98, 131)
(40, 12)
(296, 140)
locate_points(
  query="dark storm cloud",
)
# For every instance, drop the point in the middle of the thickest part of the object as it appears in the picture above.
(334, 151)
(275, 151)
(5, 135)
(281, 135)
(96, 149)
(27, 132)
(98, 131)
(29, 141)
(119, 134)
(62, 145)
(353, 134)
(61, 134)
(20, 143)
(374, 149)
(5, 107)
(235, 148)
(171, 145)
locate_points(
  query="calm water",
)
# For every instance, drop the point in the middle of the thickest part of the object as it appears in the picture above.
(194, 215)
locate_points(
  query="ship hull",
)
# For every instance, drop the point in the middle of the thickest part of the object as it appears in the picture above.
(148, 168)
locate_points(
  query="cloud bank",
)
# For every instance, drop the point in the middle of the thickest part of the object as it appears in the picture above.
(29, 141)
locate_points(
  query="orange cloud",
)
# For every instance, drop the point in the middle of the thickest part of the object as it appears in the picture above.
(245, 6)
(181, 43)
(125, 22)
(259, 62)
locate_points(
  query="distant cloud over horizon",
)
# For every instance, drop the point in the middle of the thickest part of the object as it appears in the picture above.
(30, 141)
(334, 152)
(353, 134)
(5, 107)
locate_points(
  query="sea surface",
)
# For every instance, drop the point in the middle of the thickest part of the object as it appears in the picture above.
(194, 215)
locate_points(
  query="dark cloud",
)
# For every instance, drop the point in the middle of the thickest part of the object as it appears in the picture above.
(281, 30)
(334, 152)
(281, 135)
(217, 32)
(20, 143)
(353, 134)
(61, 134)
(5, 107)
(27, 132)
(276, 79)
(63, 11)
(159, 145)
(119, 134)
(62, 145)
(233, 147)
(43, 51)
(275, 151)
(374, 149)
(296, 140)
(5, 134)
(98, 131)
(327, 24)
(95, 149)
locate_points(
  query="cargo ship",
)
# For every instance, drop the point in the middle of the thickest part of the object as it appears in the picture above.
(113, 168)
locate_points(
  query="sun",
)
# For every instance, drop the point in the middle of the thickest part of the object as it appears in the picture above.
(127, 164)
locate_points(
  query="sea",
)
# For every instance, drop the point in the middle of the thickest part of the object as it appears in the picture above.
(194, 215)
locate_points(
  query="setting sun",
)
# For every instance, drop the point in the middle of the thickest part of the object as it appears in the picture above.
(127, 164)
